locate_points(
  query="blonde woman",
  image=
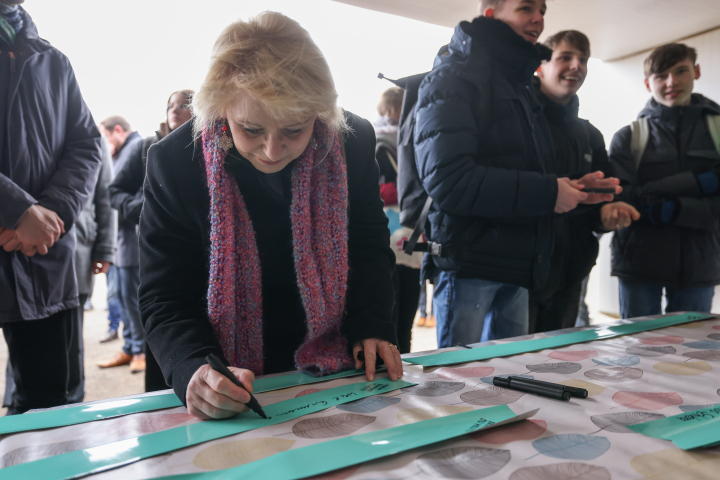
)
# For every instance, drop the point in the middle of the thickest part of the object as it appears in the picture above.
(262, 238)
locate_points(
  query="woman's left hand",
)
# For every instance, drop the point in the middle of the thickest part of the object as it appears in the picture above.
(374, 347)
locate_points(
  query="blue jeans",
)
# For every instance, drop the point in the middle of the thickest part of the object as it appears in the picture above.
(461, 305)
(133, 331)
(640, 299)
(112, 299)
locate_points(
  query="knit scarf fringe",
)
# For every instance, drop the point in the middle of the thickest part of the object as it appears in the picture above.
(318, 212)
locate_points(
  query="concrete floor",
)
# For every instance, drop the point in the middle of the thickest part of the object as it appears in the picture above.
(116, 382)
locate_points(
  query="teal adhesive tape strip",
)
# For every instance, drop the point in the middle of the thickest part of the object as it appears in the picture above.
(63, 417)
(516, 348)
(699, 428)
(344, 452)
(86, 413)
(124, 452)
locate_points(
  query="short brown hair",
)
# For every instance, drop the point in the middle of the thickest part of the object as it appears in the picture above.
(110, 123)
(390, 101)
(485, 4)
(577, 39)
(666, 56)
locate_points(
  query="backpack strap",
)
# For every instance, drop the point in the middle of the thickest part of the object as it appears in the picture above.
(713, 123)
(412, 245)
(639, 140)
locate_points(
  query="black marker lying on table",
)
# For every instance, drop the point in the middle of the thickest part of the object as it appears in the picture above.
(220, 367)
(543, 389)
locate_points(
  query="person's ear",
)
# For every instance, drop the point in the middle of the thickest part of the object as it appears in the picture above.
(697, 71)
(647, 85)
(489, 12)
(539, 71)
(118, 130)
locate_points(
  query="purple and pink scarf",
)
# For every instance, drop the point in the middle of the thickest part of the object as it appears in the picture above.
(318, 214)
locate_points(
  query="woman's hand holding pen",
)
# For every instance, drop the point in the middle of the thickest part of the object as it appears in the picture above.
(372, 347)
(210, 395)
(597, 180)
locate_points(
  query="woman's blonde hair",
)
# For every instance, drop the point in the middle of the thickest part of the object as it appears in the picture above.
(272, 59)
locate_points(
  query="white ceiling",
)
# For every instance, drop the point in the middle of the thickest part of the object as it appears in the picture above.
(616, 28)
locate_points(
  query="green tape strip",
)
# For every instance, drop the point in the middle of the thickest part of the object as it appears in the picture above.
(344, 452)
(268, 384)
(124, 452)
(86, 413)
(699, 428)
(516, 348)
(63, 417)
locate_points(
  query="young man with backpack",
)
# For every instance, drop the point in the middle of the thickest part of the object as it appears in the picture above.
(668, 163)
(485, 156)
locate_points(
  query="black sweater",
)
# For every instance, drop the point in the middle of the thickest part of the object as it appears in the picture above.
(174, 256)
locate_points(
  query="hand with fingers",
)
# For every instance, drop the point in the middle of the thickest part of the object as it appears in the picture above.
(9, 242)
(569, 195)
(37, 230)
(374, 347)
(211, 395)
(101, 267)
(598, 180)
(618, 215)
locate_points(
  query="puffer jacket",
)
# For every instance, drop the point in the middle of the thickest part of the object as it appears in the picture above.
(485, 156)
(50, 156)
(686, 252)
(580, 149)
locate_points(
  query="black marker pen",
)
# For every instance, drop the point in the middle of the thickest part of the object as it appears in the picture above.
(574, 391)
(220, 367)
(549, 391)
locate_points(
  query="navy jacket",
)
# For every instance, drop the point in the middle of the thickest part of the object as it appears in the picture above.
(685, 253)
(485, 156)
(50, 156)
(128, 253)
(580, 149)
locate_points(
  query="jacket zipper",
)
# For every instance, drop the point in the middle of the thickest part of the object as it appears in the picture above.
(12, 62)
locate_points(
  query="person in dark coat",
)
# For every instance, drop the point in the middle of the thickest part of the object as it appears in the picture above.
(49, 161)
(125, 143)
(580, 149)
(262, 236)
(406, 277)
(126, 197)
(674, 186)
(485, 156)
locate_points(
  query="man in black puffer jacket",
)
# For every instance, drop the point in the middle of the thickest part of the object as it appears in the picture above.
(674, 184)
(485, 157)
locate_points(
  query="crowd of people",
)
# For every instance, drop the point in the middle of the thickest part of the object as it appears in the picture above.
(262, 222)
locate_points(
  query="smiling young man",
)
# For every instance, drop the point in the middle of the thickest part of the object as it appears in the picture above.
(668, 168)
(580, 149)
(484, 154)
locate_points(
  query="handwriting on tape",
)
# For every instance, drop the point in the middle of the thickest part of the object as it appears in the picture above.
(702, 415)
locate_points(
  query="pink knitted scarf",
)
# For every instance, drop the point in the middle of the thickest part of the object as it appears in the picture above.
(319, 220)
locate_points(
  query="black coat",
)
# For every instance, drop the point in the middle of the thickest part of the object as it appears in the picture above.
(175, 243)
(126, 189)
(485, 156)
(685, 253)
(50, 156)
(580, 149)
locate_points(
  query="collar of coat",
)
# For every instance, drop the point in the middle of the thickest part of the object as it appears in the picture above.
(486, 42)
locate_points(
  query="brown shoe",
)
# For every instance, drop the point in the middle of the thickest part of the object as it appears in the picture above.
(138, 363)
(120, 358)
(421, 321)
(430, 322)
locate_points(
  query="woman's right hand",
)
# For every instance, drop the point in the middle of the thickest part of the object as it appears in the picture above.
(210, 395)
